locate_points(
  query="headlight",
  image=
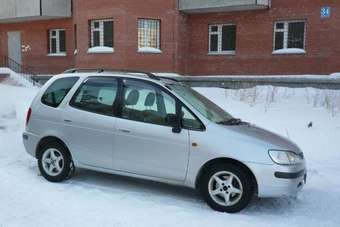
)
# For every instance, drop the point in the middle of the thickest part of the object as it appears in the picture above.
(285, 157)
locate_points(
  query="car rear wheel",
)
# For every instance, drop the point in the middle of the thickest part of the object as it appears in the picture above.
(227, 188)
(55, 163)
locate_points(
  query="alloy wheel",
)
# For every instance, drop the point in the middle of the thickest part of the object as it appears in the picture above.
(53, 162)
(225, 188)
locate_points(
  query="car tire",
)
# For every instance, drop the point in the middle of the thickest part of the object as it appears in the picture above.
(226, 188)
(55, 163)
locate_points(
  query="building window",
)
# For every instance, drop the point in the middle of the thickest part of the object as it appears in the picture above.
(101, 36)
(149, 35)
(222, 39)
(289, 37)
(57, 42)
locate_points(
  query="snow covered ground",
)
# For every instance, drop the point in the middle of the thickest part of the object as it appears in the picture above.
(95, 199)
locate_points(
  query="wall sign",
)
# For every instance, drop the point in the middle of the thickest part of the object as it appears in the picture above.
(326, 12)
(25, 48)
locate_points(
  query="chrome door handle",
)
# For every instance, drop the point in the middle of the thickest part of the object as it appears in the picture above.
(124, 130)
(68, 121)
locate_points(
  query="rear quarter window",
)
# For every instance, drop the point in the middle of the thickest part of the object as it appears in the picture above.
(57, 91)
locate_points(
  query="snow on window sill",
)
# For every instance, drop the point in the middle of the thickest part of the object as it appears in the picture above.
(290, 51)
(150, 50)
(57, 55)
(100, 50)
(222, 53)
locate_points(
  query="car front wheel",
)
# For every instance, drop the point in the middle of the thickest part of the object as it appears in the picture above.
(227, 188)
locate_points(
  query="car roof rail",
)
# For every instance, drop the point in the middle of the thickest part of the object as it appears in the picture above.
(169, 78)
(101, 70)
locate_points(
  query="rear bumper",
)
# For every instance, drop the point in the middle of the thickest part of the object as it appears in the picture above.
(277, 181)
(30, 142)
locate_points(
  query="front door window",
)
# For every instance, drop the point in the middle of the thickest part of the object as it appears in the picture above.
(146, 103)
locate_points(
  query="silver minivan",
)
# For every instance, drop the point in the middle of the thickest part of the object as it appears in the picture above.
(141, 125)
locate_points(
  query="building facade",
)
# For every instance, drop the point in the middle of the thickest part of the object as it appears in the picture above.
(194, 37)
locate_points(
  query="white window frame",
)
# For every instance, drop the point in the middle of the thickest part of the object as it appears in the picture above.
(219, 40)
(145, 48)
(285, 31)
(101, 31)
(101, 49)
(57, 38)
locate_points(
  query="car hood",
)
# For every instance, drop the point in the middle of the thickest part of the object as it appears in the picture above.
(273, 140)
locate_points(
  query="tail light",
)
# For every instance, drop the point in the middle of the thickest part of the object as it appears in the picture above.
(28, 116)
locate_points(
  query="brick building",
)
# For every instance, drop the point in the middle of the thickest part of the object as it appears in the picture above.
(196, 37)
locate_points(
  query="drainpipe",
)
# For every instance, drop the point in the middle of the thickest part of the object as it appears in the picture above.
(40, 7)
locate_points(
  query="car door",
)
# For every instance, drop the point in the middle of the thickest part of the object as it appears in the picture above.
(89, 122)
(145, 143)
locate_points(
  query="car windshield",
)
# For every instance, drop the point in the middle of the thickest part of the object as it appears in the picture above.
(203, 105)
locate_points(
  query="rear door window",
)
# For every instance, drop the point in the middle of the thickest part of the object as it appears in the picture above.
(97, 95)
(55, 94)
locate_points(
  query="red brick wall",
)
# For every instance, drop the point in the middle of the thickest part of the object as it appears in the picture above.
(125, 15)
(184, 39)
(35, 35)
(255, 41)
(182, 43)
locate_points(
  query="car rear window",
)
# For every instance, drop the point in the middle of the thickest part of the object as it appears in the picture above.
(57, 91)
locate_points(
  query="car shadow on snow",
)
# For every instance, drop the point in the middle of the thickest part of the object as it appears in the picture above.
(115, 183)
(272, 206)
(108, 183)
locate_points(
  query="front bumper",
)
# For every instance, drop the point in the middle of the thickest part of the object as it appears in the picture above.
(30, 142)
(283, 175)
(277, 181)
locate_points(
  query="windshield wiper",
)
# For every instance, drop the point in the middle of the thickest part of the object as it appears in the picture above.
(233, 121)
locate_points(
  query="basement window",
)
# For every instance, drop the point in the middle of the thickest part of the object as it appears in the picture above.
(57, 42)
(149, 36)
(222, 39)
(101, 36)
(289, 37)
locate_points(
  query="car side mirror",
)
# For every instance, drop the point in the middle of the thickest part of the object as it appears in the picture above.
(174, 122)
